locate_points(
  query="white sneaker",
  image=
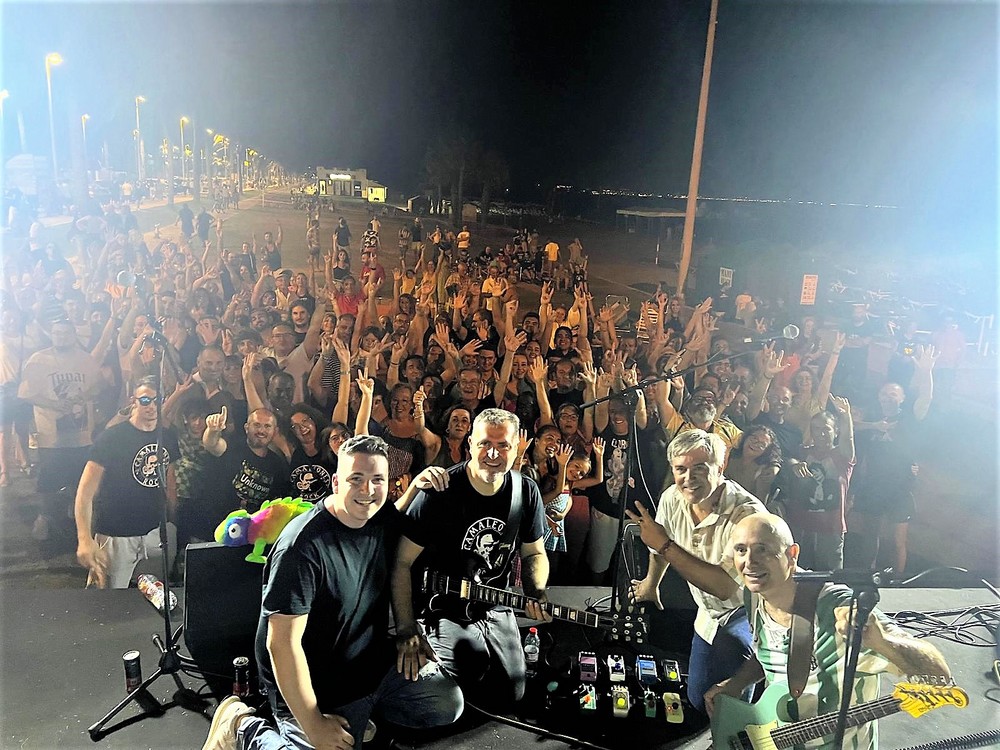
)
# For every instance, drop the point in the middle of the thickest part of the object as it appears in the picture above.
(222, 733)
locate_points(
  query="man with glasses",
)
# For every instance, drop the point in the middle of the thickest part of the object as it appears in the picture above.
(119, 501)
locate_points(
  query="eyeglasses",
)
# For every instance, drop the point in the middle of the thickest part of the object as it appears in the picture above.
(146, 400)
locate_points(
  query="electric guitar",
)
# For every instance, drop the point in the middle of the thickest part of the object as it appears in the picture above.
(737, 725)
(443, 591)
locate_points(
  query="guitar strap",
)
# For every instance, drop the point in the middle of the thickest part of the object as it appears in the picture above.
(802, 636)
(514, 515)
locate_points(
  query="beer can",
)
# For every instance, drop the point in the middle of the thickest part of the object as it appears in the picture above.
(241, 676)
(133, 670)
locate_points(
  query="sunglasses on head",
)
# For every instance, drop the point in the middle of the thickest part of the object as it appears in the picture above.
(145, 400)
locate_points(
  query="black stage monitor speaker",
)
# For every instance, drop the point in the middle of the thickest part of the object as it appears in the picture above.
(222, 594)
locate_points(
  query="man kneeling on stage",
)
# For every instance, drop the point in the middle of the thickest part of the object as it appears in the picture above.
(765, 556)
(322, 646)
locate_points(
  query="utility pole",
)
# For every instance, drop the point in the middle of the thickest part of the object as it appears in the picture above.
(699, 142)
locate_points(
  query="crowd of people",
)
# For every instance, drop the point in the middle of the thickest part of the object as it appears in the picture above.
(203, 369)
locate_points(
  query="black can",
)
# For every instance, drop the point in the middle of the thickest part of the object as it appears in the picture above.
(133, 670)
(241, 677)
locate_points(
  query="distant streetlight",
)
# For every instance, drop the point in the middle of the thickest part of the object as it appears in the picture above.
(53, 58)
(184, 121)
(83, 124)
(138, 138)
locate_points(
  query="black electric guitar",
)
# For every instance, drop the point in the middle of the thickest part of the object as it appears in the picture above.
(465, 599)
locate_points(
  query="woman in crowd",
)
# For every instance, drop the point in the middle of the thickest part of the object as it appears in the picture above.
(756, 461)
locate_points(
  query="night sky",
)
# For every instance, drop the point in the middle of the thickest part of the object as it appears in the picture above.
(890, 103)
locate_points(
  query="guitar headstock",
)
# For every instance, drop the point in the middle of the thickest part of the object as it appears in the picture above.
(923, 693)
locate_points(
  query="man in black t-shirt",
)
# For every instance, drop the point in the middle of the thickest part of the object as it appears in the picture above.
(247, 472)
(119, 501)
(322, 647)
(467, 521)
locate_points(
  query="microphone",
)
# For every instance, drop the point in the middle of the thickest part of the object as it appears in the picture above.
(790, 331)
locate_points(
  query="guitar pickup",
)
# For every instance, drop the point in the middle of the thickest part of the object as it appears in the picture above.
(588, 666)
(645, 669)
(616, 668)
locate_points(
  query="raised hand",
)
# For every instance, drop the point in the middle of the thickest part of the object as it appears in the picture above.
(588, 374)
(419, 396)
(926, 358)
(631, 376)
(217, 422)
(841, 405)
(514, 341)
(366, 384)
(838, 344)
(598, 448)
(546, 293)
(563, 454)
(774, 364)
(343, 353)
(471, 348)
(538, 370)
(483, 330)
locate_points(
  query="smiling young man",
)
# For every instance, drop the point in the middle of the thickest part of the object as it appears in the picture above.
(321, 647)
(765, 556)
(694, 522)
(470, 520)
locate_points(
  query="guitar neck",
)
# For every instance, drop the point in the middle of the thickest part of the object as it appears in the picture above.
(504, 598)
(822, 726)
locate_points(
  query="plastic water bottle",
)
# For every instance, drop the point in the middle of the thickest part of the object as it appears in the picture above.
(532, 645)
(152, 588)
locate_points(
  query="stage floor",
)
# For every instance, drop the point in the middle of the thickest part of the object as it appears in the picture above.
(61, 670)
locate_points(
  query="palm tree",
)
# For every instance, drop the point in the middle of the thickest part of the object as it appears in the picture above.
(494, 174)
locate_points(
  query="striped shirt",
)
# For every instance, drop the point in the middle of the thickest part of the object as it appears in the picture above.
(822, 691)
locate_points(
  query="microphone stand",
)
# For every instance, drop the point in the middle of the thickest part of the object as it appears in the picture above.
(629, 397)
(171, 662)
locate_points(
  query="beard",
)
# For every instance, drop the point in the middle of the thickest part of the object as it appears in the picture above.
(701, 414)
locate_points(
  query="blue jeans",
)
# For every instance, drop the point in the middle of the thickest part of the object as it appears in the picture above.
(432, 701)
(485, 656)
(718, 661)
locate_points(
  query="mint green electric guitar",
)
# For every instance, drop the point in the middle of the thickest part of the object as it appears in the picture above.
(764, 725)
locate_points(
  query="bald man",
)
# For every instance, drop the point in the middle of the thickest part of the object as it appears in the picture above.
(765, 556)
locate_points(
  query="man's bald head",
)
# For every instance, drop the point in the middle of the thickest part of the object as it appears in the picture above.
(767, 523)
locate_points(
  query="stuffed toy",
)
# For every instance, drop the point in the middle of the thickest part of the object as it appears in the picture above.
(261, 528)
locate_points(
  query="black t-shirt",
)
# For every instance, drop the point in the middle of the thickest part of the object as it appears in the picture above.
(789, 436)
(607, 496)
(339, 577)
(462, 530)
(557, 399)
(128, 502)
(245, 480)
(311, 476)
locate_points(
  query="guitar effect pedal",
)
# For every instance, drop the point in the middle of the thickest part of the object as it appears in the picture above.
(671, 671)
(588, 666)
(645, 669)
(621, 701)
(675, 710)
(588, 697)
(616, 668)
(649, 703)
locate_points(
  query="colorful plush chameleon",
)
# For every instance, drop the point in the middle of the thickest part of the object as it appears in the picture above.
(261, 528)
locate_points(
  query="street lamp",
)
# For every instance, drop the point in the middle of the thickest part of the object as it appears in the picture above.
(53, 58)
(83, 124)
(184, 121)
(138, 138)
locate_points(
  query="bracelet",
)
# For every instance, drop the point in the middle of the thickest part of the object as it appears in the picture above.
(662, 551)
